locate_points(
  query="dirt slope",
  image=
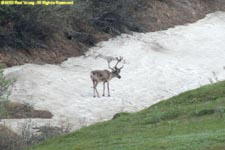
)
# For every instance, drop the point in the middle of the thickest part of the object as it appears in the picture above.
(52, 34)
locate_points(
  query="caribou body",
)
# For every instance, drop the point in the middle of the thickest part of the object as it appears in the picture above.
(105, 76)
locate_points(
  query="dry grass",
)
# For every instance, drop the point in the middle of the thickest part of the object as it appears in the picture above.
(29, 135)
(10, 140)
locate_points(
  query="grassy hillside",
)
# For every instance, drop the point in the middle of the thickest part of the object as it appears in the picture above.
(190, 121)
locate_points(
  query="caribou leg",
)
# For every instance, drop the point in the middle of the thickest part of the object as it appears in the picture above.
(108, 88)
(103, 89)
(93, 87)
(96, 83)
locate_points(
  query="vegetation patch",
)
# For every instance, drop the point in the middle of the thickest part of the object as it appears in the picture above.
(17, 111)
(205, 112)
(118, 115)
(219, 111)
(10, 140)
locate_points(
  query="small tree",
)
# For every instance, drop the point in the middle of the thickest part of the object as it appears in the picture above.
(4, 90)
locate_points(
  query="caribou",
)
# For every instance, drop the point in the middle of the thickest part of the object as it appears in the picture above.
(105, 76)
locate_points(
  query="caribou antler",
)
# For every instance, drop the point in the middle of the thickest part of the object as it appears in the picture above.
(109, 60)
(119, 59)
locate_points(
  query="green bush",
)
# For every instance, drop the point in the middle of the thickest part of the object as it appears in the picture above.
(171, 114)
(4, 90)
(204, 112)
(156, 117)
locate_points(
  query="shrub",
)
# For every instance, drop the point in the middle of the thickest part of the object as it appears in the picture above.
(171, 114)
(9, 140)
(4, 90)
(118, 115)
(156, 116)
(27, 26)
(204, 112)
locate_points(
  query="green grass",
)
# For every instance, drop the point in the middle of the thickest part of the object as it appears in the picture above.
(193, 120)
